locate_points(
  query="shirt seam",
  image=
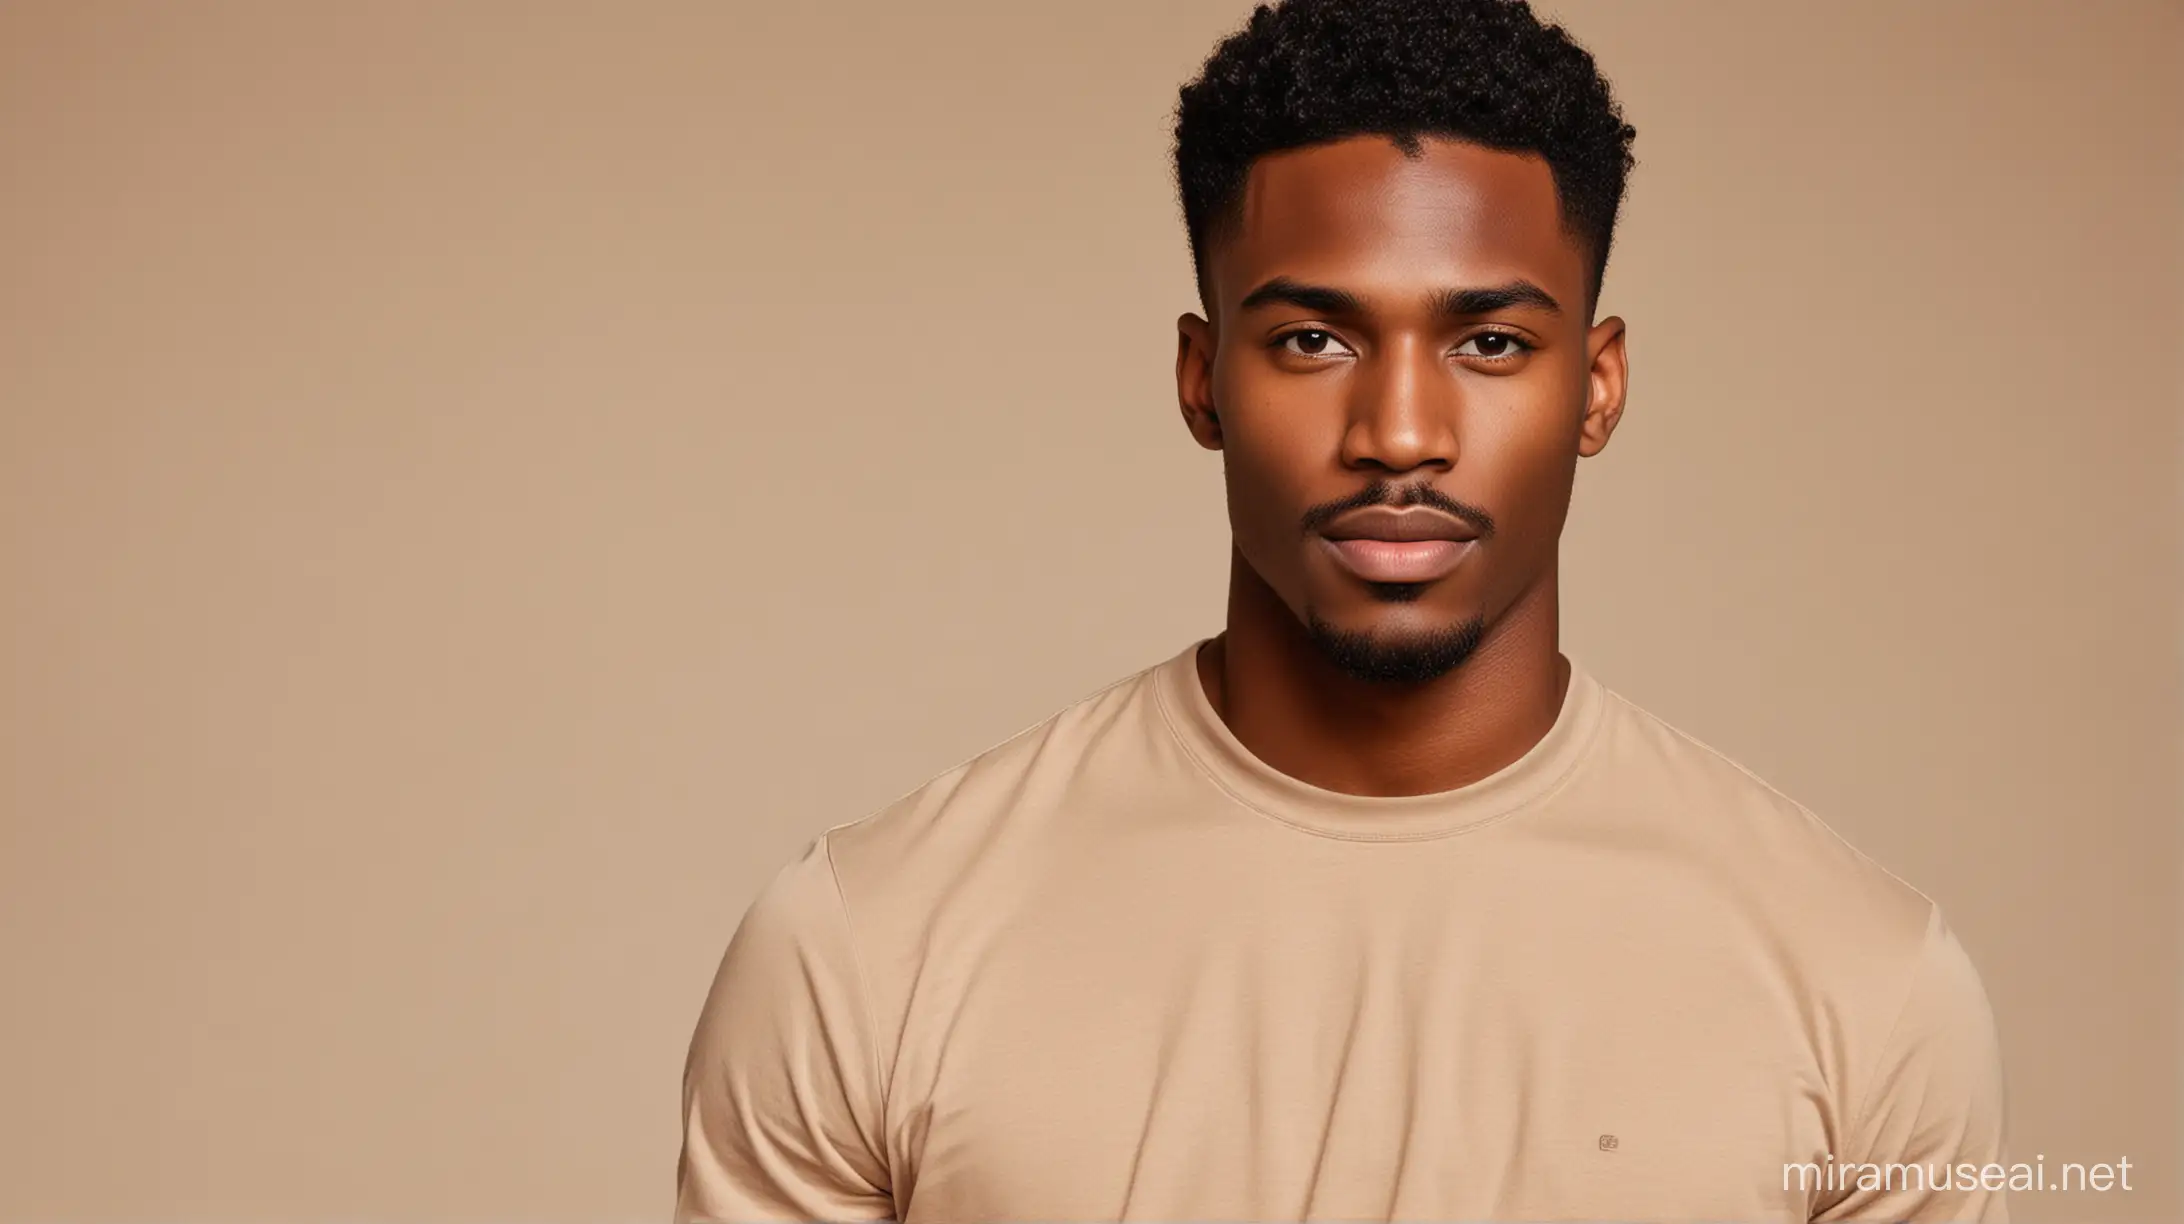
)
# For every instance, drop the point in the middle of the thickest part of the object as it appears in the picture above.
(1864, 1104)
(880, 1079)
(1860, 1116)
(866, 995)
(1036, 724)
(1771, 789)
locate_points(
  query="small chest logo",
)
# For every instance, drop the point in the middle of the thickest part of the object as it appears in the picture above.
(1608, 1143)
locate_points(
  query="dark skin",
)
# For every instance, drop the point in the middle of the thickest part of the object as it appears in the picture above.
(1396, 394)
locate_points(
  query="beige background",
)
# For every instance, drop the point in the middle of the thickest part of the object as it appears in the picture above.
(482, 484)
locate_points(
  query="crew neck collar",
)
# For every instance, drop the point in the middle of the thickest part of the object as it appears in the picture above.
(1529, 779)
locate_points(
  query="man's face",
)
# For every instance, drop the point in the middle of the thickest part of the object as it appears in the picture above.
(1408, 337)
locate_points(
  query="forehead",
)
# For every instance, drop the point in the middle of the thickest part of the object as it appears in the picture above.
(1360, 214)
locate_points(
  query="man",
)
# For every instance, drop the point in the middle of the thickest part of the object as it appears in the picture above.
(1374, 905)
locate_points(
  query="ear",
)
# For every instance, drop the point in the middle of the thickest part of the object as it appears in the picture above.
(1194, 379)
(1608, 380)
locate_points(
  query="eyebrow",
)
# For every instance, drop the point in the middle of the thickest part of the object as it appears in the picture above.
(1445, 303)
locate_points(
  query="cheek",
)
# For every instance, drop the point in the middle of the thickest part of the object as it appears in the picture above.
(1523, 474)
(1271, 483)
(1263, 443)
(1520, 449)
(1280, 438)
(1264, 483)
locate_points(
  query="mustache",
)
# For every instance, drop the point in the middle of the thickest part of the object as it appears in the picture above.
(1387, 493)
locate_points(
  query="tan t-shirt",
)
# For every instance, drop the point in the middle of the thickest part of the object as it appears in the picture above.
(1117, 968)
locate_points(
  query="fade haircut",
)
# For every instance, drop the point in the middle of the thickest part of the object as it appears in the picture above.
(1304, 72)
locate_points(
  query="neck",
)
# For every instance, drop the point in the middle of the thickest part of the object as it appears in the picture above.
(1298, 713)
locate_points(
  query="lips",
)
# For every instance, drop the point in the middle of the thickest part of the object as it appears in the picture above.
(1383, 545)
(1399, 560)
(1381, 523)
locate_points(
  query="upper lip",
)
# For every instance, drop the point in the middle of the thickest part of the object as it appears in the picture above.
(1381, 523)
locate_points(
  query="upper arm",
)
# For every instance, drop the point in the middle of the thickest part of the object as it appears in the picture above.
(781, 1099)
(1931, 1110)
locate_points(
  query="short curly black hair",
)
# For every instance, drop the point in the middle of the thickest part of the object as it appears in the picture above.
(1302, 72)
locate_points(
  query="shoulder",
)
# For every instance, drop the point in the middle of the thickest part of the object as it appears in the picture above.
(1868, 955)
(1730, 818)
(1839, 932)
(990, 812)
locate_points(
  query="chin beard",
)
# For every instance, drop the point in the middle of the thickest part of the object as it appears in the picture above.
(1407, 658)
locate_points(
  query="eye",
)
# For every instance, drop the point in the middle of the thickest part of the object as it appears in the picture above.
(1499, 346)
(1311, 342)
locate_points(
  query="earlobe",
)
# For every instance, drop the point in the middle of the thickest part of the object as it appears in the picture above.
(1205, 426)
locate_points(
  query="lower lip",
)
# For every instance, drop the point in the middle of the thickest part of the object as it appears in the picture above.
(1398, 560)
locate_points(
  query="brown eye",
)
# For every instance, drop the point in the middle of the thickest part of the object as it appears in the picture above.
(1497, 346)
(1312, 342)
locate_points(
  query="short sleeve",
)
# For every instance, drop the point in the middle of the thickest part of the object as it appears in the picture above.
(781, 1101)
(1929, 1135)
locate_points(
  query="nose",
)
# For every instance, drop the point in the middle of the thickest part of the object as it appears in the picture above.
(1405, 410)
